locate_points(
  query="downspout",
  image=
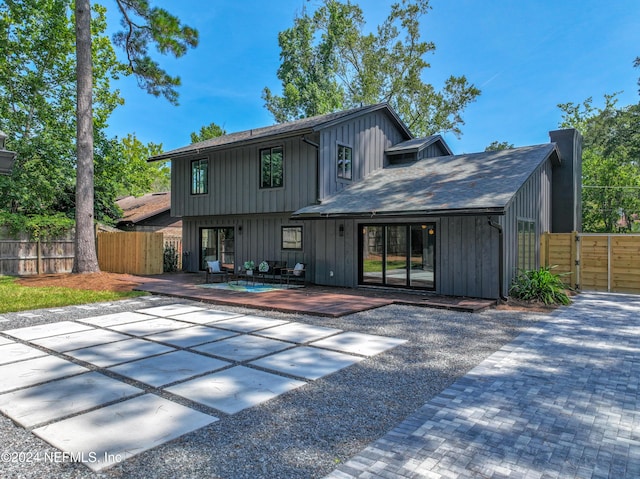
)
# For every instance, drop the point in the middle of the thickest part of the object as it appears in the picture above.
(498, 226)
(317, 147)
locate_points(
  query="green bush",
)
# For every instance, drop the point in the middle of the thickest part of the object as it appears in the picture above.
(539, 285)
(170, 259)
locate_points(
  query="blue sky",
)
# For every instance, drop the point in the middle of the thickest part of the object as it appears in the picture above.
(525, 55)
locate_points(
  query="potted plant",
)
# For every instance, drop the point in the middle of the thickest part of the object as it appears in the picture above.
(249, 267)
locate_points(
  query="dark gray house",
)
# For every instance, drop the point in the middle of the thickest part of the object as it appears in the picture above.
(362, 203)
(6, 157)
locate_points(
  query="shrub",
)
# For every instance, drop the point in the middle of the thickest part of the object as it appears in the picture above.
(539, 285)
(170, 259)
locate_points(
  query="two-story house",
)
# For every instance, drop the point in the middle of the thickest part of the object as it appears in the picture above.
(360, 201)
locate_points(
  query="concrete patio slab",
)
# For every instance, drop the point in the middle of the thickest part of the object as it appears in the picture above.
(109, 435)
(10, 353)
(116, 318)
(243, 348)
(45, 330)
(105, 355)
(307, 362)
(192, 336)
(82, 339)
(247, 324)
(359, 343)
(235, 389)
(150, 326)
(4, 340)
(168, 368)
(170, 310)
(35, 371)
(298, 332)
(206, 316)
(47, 402)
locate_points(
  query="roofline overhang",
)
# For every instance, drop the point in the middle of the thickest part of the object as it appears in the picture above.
(497, 211)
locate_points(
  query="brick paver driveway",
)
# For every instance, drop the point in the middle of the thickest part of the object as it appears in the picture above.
(561, 401)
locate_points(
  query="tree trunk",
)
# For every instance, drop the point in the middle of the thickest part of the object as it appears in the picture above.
(86, 260)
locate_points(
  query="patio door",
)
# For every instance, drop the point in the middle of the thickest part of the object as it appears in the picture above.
(217, 244)
(399, 255)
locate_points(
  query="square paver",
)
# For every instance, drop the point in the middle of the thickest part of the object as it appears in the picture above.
(243, 348)
(150, 326)
(359, 343)
(193, 336)
(246, 324)
(10, 353)
(47, 402)
(307, 362)
(115, 318)
(105, 355)
(82, 339)
(35, 371)
(5, 340)
(206, 316)
(45, 330)
(170, 310)
(298, 332)
(235, 389)
(169, 368)
(111, 434)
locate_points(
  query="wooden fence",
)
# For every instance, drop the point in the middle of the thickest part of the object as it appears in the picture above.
(131, 252)
(594, 262)
(25, 257)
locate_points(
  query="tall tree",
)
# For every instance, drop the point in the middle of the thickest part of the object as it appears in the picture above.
(610, 163)
(142, 25)
(499, 145)
(330, 63)
(207, 132)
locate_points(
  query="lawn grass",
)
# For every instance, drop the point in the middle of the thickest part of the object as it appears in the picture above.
(14, 297)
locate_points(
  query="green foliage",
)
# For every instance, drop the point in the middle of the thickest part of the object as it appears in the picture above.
(22, 298)
(539, 285)
(37, 226)
(170, 263)
(136, 176)
(144, 25)
(610, 163)
(499, 145)
(207, 132)
(329, 63)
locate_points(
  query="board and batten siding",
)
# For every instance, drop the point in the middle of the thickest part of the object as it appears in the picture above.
(234, 181)
(531, 202)
(369, 136)
(259, 240)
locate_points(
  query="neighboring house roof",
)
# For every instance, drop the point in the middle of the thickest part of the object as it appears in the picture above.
(416, 145)
(282, 130)
(446, 184)
(135, 210)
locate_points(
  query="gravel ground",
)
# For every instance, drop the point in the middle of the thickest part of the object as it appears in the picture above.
(304, 433)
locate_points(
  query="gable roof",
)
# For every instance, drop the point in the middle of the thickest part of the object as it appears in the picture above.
(283, 130)
(139, 209)
(459, 184)
(415, 145)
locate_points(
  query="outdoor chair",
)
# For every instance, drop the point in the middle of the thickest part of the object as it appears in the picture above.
(273, 271)
(295, 274)
(216, 270)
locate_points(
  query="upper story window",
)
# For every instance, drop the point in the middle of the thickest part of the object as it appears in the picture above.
(345, 154)
(271, 167)
(200, 177)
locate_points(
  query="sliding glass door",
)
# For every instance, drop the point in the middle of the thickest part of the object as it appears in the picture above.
(217, 244)
(401, 255)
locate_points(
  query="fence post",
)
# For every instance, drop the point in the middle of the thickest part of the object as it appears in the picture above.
(39, 257)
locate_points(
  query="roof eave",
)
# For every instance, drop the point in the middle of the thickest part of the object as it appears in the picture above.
(497, 210)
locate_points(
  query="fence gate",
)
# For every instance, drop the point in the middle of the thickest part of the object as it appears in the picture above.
(594, 262)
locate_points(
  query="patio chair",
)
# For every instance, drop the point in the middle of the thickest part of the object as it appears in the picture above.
(295, 274)
(216, 270)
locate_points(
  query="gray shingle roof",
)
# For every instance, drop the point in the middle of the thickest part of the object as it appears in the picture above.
(417, 144)
(478, 181)
(282, 129)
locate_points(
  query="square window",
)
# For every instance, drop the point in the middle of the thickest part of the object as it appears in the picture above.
(271, 167)
(292, 237)
(345, 154)
(200, 177)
